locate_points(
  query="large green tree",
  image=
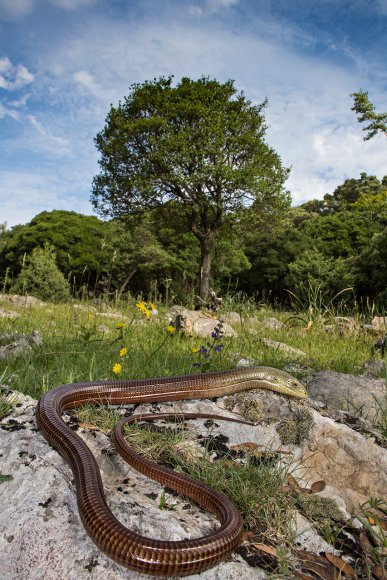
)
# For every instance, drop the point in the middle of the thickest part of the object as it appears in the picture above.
(199, 144)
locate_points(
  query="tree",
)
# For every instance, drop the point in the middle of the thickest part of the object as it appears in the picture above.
(41, 276)
(346, 195)
(366, 112)
(200, 144)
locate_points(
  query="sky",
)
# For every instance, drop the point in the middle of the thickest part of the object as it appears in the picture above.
(63, 63)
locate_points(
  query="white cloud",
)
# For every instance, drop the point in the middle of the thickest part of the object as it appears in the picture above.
(13, 77)
(219, 4)
(71, 4)
(381, 6)
(24, 194)
(15, 8)
(311, 124)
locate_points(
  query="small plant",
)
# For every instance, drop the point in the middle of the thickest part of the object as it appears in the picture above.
(146, 309)
(164, 505)
(208, 351)
(7, 400)
(318, 307)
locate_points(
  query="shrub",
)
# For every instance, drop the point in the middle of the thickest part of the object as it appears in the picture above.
(41, 277)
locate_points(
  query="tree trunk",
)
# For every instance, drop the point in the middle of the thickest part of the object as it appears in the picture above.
(126, 281)
(206, 246)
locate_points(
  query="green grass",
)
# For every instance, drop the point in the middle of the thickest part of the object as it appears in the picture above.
(74, 350)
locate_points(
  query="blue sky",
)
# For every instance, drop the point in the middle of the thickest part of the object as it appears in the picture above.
(64, 62)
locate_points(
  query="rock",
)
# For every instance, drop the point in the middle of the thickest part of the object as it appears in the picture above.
(84, 308)
(356, 394)
(245, 362)
(353, 465)
(298, 369)
(271, 322)
(17, 344)
(374, 368)
(283, 347)
(231, 317)
(196, 323)
(379, 323)
(10, 314)
(102, 328)
(21, 300)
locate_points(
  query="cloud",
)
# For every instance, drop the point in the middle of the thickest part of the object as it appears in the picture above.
(24, 194)
(15, 8)
(220, 4)
(71, 4)
(13, 77)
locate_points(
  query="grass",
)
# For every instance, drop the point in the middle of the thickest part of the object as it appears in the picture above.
(74, 348)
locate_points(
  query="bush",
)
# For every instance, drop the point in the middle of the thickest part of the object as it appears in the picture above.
(41, 277)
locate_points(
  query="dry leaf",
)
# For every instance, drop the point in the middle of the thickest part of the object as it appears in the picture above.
(365, 544)
(318, 486)
(247, 535)
(247, 446)
(316, 564)
(267, 549)
(379, 573)
(89, 426)
(287, 489)
(296, 487)
(341, 564)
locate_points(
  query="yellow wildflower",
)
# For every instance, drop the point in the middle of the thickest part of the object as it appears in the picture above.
(171, 329)
(143, 308)
(195, 349)
(120, 325)
(123, 351)
(152, 306)
(117, 368)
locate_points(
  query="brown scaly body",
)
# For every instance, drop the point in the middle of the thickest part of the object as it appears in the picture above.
(146, 555)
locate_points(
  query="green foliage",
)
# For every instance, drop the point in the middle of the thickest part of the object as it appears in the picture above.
(366, 114)
(312, 270)
(41, 277)
(342, 234)
(346, 195)
(199, 144)
(82, 244)
(370, 270)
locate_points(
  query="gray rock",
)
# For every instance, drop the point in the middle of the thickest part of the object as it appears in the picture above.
(231, 317)
(10, 314)
(196, 323)
(379, 323)
(271, 322)
(374, 368)
(356, 394)
(15, 344)
(294, 352)
(21, 300)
